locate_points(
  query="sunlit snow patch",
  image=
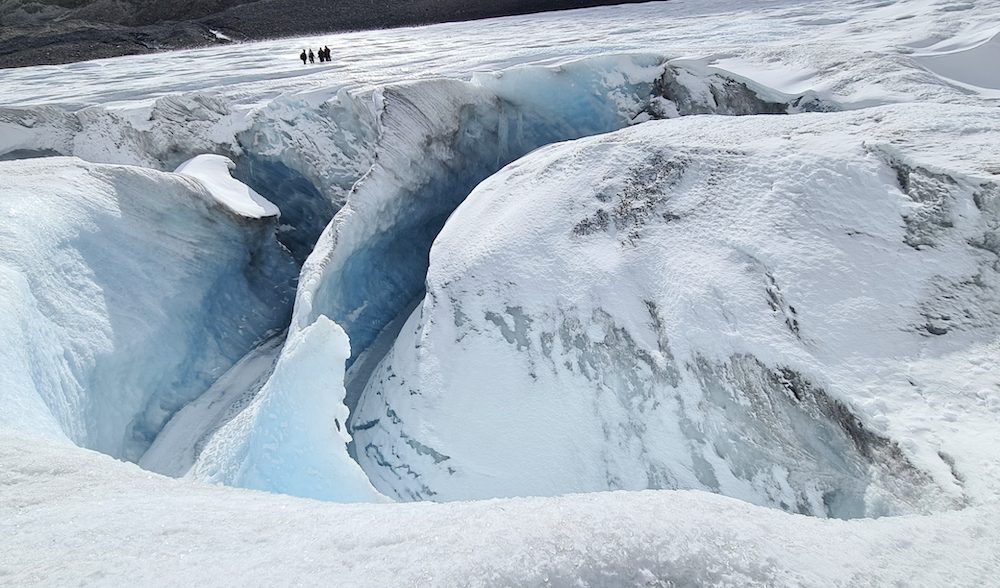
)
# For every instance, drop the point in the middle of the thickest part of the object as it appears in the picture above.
(213, 173)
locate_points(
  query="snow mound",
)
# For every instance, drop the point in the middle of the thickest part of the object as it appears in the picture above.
(213, 171)
(750, 306)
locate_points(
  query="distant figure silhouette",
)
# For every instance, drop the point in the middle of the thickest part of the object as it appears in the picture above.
(312, 56)
(326, 51)
(303, 57)
(322, 56)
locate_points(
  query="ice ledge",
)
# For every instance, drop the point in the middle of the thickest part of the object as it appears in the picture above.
(213, 172)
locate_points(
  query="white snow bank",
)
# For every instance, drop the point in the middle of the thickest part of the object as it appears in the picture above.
(213, 171)
(71, 516)
(790, 79)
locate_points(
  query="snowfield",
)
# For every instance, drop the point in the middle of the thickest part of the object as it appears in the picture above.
(640, 295)
(72, 516)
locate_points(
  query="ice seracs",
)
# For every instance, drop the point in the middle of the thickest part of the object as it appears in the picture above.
(292, 438)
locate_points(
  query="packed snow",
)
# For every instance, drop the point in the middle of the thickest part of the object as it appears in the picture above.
(973, 66)
(213, 171)
(70, 516)
(702, 262)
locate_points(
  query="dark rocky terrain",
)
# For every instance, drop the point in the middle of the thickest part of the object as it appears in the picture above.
(34, 32)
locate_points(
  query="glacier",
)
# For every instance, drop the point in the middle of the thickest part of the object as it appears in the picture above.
(692, 304)
(127, 291)
(360, 200)
(123, 523)
(706, 252)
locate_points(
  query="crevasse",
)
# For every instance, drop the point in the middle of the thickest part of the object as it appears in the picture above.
(371, 175)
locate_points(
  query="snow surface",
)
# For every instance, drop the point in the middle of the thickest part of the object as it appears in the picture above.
(126, 293)
(973, 66)
(630, 310)
(829, 34)
(69, 516)
(830, 308)
(213, 172)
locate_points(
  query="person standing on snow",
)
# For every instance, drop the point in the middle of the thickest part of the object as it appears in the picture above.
(303, 57)
(312, 56)
(326, 53)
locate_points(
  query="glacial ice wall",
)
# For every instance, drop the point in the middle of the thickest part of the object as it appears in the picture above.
(292, 437)
(438, 139)
(736, 305)
(377, 172)
(435, 141)
(127, 292)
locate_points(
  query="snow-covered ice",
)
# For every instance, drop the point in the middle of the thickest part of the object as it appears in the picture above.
(427, 271)
(292, 438)
(738, 305)
(213, 171)
(973, 66)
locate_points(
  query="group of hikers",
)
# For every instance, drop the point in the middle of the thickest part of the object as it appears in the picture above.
(324, 55)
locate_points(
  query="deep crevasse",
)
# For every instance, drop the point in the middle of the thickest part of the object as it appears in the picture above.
(395, 162)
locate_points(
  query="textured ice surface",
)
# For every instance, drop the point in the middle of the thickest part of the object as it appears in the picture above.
(125, 525)
(178, 445)
(437, 140)
(126, 293)
(736, 305)
(292, 437)
(426, 145)
(830, 327)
